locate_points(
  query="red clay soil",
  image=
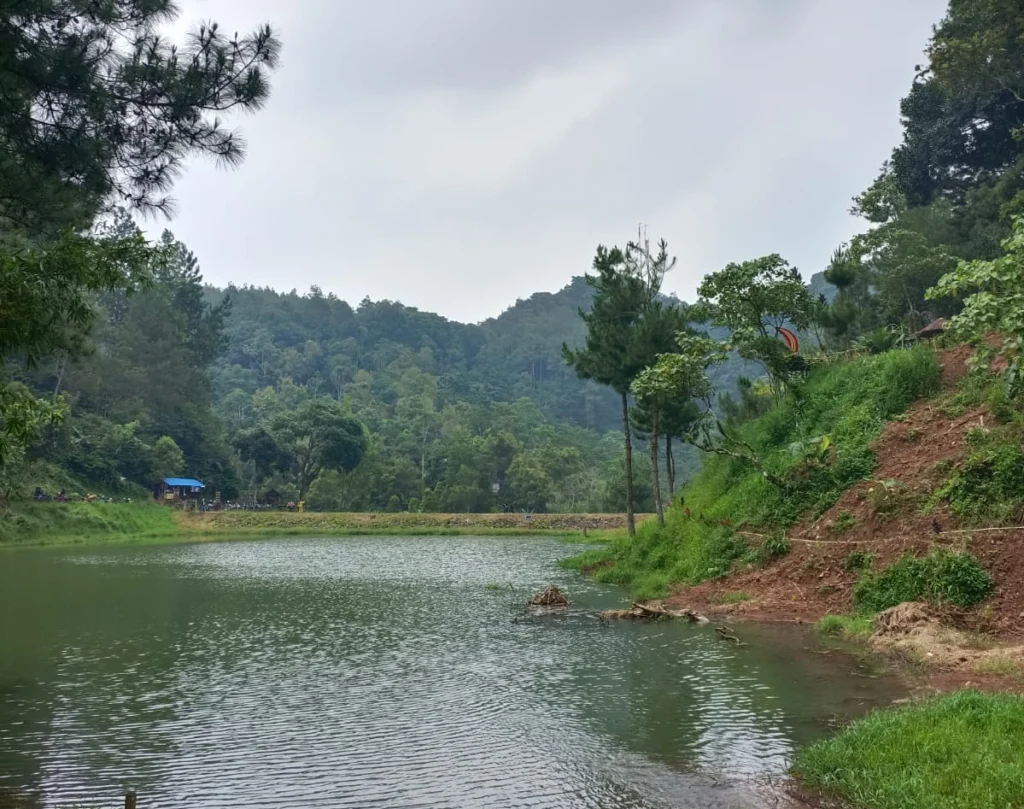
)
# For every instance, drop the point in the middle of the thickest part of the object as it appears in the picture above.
(917, 452)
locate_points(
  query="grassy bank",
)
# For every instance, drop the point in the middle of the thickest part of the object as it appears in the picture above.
(49, 523)
(960, 751)
(346, 524)
(847, 402)
(32, 523)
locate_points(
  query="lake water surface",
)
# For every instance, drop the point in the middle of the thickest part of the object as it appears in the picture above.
(384, 672)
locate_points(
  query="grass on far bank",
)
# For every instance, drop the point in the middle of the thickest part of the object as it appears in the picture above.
(849, 402)
(597, 526)
(27, 522)
(959, 751)
(34, 523)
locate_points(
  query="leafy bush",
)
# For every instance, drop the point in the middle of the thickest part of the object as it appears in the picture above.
(940, 577)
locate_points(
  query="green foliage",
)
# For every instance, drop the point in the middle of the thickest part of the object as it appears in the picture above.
(118, 121)
(845, 626)
(940, 577)
(959, 751)
(27, 522)
(988, 485)
(858, 560)
(848, 402)
(318, 437)
(880, 340)
(888, 497)
(993, 293)
(628, 327)
(168, 459)
(772, 548)
(752, 300)
(46, 292)
(23, 418)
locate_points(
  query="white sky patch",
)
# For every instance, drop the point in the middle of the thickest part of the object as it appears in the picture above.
(460, 154)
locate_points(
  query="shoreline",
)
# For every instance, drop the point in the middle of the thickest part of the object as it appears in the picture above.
(30, 524)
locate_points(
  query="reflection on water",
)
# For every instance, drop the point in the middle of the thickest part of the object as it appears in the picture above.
(382, 672)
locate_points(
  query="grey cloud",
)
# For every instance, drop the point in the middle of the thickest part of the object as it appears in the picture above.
(459, 154)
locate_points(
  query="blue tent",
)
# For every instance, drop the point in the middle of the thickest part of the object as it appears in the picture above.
(191, 483)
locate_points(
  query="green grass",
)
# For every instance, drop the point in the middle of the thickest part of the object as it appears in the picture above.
(849, 402)
(848, 626)
(32, 523)
(27, 522)
(960, 751)
(940, 577)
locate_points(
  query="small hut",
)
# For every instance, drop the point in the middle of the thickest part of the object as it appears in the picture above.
(934, 329)
(181, 490)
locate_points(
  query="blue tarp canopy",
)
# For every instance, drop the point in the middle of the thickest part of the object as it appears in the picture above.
(190, 482)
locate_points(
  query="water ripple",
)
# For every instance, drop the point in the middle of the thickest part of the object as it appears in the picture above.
(379, 673)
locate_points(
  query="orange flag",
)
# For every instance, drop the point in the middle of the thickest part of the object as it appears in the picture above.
(789, 338)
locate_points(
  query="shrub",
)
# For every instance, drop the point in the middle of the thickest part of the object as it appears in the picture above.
(940, 577)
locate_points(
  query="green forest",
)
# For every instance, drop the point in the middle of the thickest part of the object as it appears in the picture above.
(121, 366)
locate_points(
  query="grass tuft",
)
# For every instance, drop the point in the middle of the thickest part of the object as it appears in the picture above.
(848, 626)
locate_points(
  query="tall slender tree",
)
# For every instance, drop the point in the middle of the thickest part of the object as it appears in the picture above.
(607, 356)
(626, 286)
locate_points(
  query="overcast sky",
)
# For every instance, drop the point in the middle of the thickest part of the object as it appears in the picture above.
(459, 154)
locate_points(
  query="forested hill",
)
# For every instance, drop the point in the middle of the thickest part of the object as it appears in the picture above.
(319, 343)
(324, 345)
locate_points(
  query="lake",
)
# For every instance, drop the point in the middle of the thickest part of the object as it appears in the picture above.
(385, 672)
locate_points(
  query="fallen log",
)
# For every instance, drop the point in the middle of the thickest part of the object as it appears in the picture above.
(653, 612)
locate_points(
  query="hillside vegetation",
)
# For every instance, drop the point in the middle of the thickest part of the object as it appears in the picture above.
(847, 402)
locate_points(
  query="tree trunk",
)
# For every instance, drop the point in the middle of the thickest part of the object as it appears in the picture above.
(62, 362)
(630, 519)
(655, 475)
(670, 466)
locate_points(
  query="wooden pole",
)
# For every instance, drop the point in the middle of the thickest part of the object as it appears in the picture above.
(129, 799)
